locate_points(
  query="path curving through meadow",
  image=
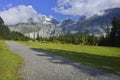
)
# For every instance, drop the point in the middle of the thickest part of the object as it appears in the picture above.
(41, 65)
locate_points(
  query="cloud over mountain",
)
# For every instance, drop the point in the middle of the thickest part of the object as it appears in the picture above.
(85, 7)
(18, 14)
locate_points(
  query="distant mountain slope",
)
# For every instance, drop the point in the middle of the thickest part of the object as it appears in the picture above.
(49, 26)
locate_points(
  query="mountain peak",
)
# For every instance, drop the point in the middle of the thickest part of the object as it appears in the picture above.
(50, 26)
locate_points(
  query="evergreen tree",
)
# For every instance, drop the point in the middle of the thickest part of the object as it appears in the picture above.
(1, 21)
(4, 31)
(115, 32)
(6, 34)
(112, 38)
(38, 37)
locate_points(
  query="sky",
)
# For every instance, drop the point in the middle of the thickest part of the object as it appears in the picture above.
(14, 11)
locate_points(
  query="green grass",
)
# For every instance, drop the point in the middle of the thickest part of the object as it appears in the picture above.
(106, 58)
(9, 63)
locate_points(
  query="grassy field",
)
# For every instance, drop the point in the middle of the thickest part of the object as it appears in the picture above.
(9, 63)
(106, 58)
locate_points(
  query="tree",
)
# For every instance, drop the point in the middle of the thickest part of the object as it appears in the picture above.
(112, 38)
(38, 37)
(92, 40)
(1, 21)
(6, 34)
(4, 30)
(115, 32)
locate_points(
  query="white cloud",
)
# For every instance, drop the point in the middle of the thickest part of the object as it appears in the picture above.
(85, 7)
(18, 14)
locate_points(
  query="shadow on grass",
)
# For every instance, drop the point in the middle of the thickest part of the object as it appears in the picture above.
(108, 63)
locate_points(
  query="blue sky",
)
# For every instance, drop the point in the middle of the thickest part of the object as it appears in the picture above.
(41, 6)
(15, 11)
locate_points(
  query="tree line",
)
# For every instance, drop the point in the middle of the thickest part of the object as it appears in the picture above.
(72, 38)
(6, 34)
(111, 39)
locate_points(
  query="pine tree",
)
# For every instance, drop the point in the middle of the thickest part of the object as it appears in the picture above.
(38, 37)
(4, 30)
(115, 32)
(6, 34)
(1, 21)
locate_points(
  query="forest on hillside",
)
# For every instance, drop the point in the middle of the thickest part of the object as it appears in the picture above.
(6, 34)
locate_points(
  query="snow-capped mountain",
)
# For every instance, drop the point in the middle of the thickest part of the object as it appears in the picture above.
(45, 27)
(49, 26)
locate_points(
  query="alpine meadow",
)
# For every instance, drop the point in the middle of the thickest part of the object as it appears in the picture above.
(60, 40)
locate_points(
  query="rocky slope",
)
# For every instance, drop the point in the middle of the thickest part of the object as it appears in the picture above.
(49, 26)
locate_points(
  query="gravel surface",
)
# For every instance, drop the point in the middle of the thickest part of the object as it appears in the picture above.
(41, 65)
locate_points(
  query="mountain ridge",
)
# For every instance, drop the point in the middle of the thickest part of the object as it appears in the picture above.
(49, 26)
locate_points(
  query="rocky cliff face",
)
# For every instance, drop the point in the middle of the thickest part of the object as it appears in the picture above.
(49, 26)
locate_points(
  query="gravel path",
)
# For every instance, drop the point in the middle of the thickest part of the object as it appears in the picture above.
(41, 65)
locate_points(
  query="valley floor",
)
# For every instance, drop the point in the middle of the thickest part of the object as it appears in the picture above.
(106, 58)
(42, 65)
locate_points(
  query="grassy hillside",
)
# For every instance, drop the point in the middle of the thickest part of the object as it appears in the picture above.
(107, 58)
(9, 63)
